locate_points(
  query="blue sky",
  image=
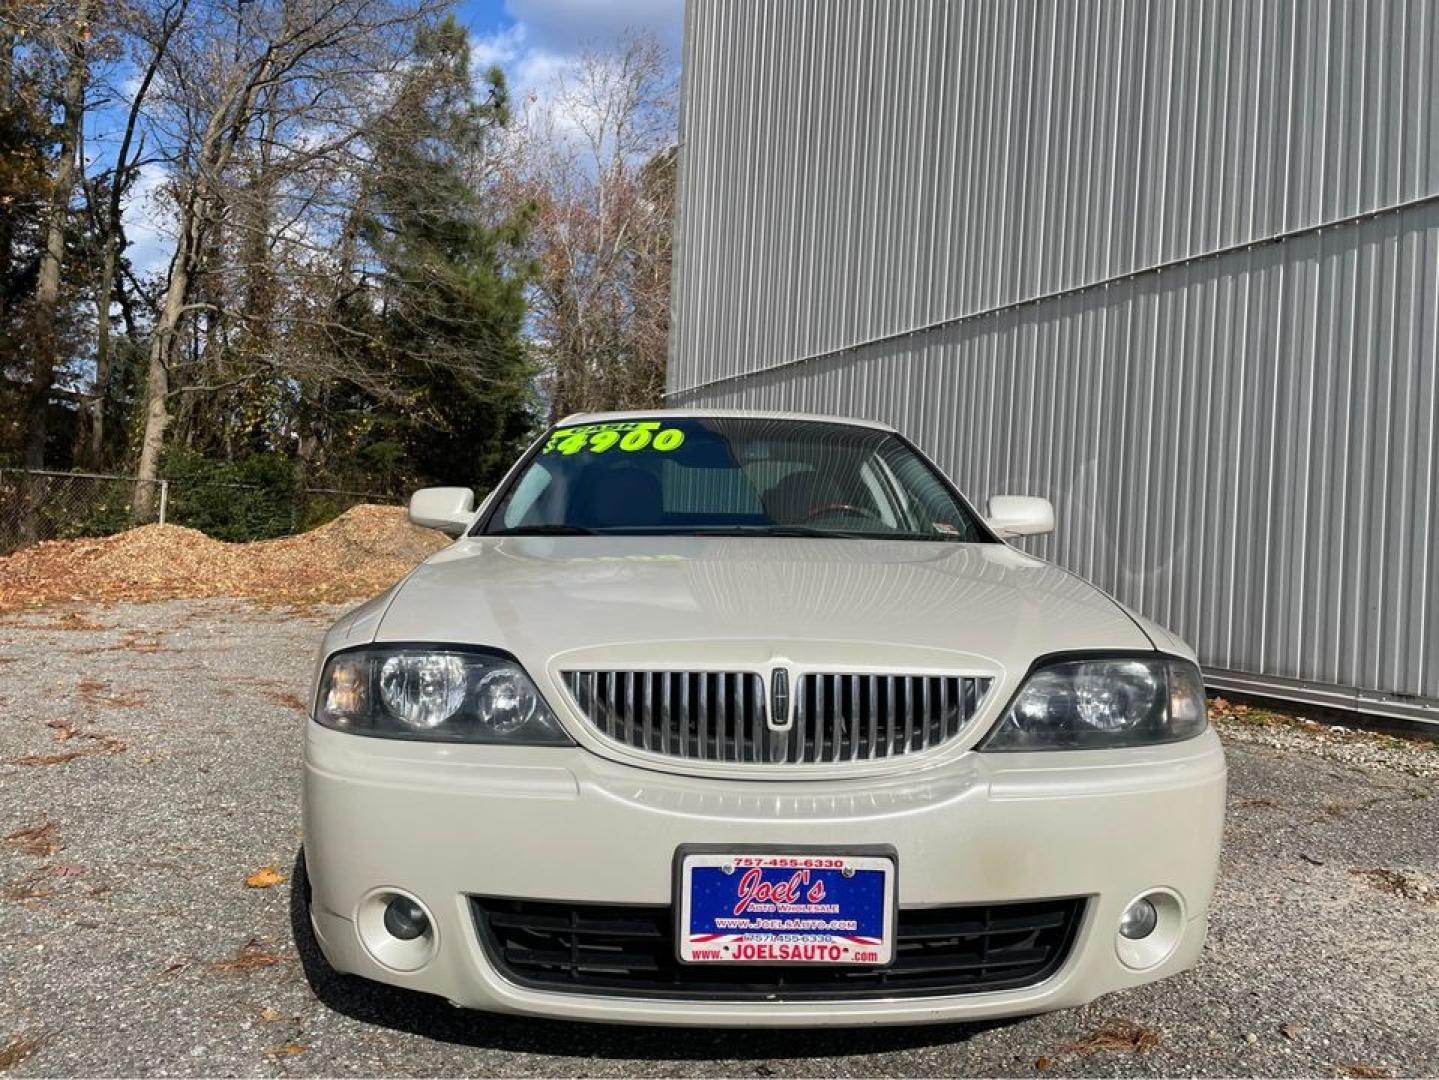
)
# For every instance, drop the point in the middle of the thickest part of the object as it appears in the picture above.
(561, 25)
(533, 39)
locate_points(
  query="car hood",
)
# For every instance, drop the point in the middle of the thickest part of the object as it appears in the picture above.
(667, 601)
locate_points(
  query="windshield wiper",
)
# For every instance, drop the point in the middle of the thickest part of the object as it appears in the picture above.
(545, 530)
(809, 531)
(774, 530)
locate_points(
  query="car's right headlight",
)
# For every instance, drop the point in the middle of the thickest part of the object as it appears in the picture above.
(436, 693)
(1103, 703)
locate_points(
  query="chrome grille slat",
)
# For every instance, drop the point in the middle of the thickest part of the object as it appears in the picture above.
(649, 709)
(666, 713)
(851, 717)
(682, 734)
(722, 750)
(721, 716)
(629, 706)
(874, 710)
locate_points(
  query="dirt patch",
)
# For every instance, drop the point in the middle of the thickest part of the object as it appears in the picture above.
(1409, 885)
(360, 553)
(1415, 754)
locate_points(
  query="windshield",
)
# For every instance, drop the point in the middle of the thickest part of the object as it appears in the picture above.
(730, 476)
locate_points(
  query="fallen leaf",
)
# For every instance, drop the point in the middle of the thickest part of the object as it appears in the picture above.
(288, 1050)
(29, 887)
(1042, 1063)
(264, 878)
(1364, 1072)
(1290, 1031)
(269, 1015)
(42, 760)
(288, 700)
(20, 1048)
(1116, 1036)
(41, 839)
(67, 870)
(361, 552)
(248, 957)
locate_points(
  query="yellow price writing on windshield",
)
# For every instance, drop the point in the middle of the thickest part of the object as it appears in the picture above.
(628, 436)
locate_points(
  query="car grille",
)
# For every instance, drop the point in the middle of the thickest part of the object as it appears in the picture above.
(722, 715)
(629, 951)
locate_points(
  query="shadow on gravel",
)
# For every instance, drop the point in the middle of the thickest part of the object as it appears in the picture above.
(433, 1018)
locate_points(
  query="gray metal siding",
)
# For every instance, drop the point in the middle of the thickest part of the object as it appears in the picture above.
(1174, 266)
(856, 168)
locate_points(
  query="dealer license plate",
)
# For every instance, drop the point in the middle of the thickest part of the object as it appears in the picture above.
(756, 907)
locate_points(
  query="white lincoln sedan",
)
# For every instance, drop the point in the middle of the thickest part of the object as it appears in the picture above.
(749, 719)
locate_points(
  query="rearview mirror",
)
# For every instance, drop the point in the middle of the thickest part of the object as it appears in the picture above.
(1020, 515)
(448, 509)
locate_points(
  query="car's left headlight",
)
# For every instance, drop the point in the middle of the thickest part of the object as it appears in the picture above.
(1103, 703)
(435, 693)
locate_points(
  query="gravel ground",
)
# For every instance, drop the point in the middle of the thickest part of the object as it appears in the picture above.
(130, 944)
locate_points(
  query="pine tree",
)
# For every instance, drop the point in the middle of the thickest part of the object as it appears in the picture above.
(452, 294)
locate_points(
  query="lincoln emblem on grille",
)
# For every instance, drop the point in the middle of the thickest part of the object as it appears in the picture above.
(779, 718)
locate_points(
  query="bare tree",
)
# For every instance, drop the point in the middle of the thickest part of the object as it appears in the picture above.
(288, 76)
(155, 35)
(597, 162)
(74, 33)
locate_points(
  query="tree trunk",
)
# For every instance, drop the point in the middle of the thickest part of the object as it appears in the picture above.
(7, 81)
(47, 288)
(162, 347)
(113, 234)
(227, 125)
(101, 390)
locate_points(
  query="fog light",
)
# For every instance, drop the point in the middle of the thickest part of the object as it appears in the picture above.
(406, 920)
(1138, 921)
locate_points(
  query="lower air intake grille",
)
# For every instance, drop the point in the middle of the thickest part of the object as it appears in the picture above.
(629, 951)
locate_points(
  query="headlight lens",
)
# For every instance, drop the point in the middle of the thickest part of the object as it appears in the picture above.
(442, 695)
(1103, 704)
(422, 691)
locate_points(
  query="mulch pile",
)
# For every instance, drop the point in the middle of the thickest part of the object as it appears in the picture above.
(361, 553)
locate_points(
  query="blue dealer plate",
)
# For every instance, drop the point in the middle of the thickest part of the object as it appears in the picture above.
(756, 907)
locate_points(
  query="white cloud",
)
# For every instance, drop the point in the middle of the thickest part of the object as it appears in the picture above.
(544, 44)
(530, 71)
(546, 38)
(148, 222)
(564, 26)
(502, 48)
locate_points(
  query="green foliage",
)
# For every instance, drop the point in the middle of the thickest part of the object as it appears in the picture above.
(45, 507)
(252, 498)
(454, 277)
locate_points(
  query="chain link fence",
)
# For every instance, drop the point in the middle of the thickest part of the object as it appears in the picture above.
(37, 505)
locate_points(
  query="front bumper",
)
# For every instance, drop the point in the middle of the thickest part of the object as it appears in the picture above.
(445, 822)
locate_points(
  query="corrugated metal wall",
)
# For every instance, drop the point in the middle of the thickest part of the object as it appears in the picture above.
(1174, 266)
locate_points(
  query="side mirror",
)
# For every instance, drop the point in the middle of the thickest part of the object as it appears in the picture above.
(1020, 515)
(448, 509)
